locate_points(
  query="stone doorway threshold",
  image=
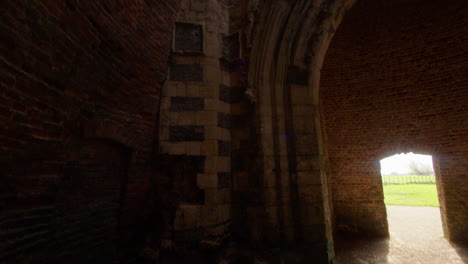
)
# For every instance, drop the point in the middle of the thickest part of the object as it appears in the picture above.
(416, 237)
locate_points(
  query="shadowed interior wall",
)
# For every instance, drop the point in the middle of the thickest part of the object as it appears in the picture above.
(395, 80)
(168, 129)
(88, 202)
(70, 71)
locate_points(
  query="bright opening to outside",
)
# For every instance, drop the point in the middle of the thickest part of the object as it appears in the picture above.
(408, 179)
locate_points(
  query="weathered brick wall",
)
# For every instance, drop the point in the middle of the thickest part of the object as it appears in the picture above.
(73, 76)
(237, 148)
(395, 80)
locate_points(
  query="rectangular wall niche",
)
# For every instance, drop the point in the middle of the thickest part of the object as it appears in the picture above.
(186, 133)
(188, 38)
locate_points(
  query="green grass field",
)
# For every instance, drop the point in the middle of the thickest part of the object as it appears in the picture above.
(411, 194)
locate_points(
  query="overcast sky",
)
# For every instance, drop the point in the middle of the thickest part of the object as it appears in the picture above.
(399, 163)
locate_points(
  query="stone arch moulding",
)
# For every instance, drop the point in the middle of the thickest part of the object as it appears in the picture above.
(284, 73)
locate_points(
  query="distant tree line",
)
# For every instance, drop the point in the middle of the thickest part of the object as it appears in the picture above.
(419, 168)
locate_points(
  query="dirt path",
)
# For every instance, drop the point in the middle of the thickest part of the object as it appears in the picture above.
(416, 236)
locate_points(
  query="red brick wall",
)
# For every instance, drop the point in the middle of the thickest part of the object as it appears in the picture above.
(70, 71)
(395, 80)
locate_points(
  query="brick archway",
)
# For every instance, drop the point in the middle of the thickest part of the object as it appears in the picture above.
(385, 89)
(296, 157)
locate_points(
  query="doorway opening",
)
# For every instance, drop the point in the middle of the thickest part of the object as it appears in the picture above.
(411, 198)
(409, 180)
(415, 225)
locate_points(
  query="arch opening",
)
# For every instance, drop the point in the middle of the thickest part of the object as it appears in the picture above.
(384, 90)
(407, 172)
(409, 185)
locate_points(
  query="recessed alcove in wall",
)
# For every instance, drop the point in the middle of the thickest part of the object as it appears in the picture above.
(90, 198)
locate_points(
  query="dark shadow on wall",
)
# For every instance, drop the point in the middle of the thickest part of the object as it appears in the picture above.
(173, 181)
(462, 251)
(88, 202)
(69, 211)
(350, 249)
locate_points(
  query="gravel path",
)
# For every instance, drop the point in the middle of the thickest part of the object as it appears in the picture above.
(416, 236)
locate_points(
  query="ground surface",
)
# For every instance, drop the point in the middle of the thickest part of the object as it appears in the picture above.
(411, 194)
(415, 238)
